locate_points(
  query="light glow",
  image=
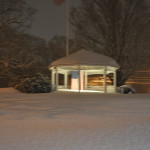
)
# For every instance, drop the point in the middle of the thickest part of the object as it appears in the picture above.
(75, 80)
(88, 91)
(74, 84)
(81, 79)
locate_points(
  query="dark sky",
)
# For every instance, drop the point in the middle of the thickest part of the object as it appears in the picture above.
(49, 19)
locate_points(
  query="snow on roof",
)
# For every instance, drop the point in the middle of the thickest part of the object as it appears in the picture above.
(84, 57)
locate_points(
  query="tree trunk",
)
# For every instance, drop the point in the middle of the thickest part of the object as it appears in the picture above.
(121, 79)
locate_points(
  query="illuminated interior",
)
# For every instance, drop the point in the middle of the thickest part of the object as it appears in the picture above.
(84, 78)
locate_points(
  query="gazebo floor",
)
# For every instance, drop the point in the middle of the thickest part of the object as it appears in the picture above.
(69, 90)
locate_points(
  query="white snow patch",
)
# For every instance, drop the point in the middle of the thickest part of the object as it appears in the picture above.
(74, 121)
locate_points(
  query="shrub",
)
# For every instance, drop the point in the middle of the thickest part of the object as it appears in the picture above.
(38, 83)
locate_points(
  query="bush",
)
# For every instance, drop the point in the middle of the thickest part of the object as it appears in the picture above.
(32, 84)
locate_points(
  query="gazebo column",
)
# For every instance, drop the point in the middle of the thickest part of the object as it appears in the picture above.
(115, 81)
(66, 79)
(56, 78)
(85, 80)
(105, 80)
(52, 78)
(79, 80)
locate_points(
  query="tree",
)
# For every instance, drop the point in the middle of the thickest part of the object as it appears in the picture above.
(57, 47)
(15, 17)
(117, 28)
(22, 54)
(15, 13)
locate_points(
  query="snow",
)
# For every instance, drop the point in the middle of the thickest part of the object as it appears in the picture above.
(74, 121)
(84, 57)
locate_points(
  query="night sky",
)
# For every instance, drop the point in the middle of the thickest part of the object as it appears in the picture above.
(49, 19)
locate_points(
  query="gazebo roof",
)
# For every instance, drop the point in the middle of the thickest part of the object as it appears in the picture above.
(84, 57)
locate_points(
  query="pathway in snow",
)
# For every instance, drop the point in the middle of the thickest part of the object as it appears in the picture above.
(73, 121)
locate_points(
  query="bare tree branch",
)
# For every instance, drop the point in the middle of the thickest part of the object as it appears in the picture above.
(116, 28)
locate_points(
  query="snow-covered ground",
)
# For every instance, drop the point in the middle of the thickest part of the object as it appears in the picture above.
(74, 121)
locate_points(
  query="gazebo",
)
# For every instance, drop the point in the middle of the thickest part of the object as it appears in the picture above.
(84, 71)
